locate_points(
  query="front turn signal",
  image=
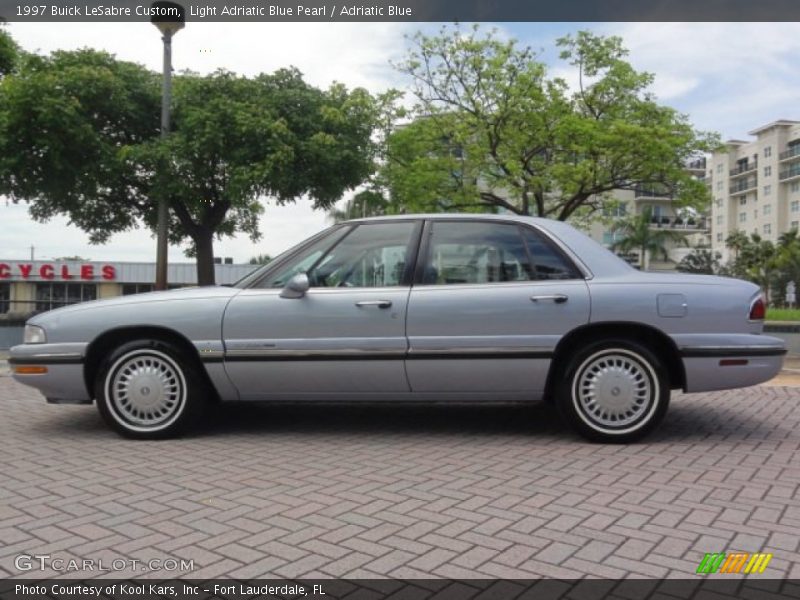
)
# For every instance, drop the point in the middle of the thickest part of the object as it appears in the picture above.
(29, 369)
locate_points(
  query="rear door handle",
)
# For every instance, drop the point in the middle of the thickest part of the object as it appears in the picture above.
(557, 298)
(378, 303)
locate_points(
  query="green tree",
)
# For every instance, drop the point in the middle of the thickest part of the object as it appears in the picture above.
(9, 53)
(702, 261)
(260, 259)
(79, 135)
(73, 258)
(756, 260)
(367, 203)
(736, 241)
(638, 234)
(787, 262)
(491, 130)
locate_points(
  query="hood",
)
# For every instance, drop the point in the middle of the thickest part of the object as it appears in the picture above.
(188, 293)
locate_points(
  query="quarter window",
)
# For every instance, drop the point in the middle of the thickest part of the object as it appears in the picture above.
(547, 262)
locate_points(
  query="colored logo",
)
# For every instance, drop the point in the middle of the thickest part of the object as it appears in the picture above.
(734, 563)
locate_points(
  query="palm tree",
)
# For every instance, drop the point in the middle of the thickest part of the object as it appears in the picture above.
(639, 235)
(736, 241)
(759, 260)
(787, 260)
(700, 260)
(368, 203)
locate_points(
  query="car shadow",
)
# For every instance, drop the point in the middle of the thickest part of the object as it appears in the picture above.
(539, 419)
(685, 422)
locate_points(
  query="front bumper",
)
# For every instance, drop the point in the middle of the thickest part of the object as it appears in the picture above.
(724, 362)
(62, 378)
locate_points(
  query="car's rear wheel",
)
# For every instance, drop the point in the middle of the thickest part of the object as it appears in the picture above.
(613, 391)
(149, 389)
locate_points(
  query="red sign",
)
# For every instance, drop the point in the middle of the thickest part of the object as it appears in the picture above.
(56, 271)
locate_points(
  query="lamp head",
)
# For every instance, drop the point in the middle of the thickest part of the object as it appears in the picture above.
(169, 17)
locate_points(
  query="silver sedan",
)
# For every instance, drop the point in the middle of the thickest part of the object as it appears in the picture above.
(459, 308)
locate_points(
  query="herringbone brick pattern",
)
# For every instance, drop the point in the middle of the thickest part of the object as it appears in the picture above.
(404, 492)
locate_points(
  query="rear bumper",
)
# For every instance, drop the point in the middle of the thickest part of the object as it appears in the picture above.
(62, 364)
(730, 362)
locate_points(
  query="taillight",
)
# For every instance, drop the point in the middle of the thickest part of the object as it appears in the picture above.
(758, 310)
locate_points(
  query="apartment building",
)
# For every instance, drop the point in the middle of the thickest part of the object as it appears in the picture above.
(666, 214)
(755, 185)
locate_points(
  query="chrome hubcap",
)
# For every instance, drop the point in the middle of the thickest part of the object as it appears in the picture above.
(147, 389)
(614, 389)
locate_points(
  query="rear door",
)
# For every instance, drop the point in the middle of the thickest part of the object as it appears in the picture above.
(490, 303)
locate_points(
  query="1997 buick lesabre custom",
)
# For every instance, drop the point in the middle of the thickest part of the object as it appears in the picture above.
(457, 308)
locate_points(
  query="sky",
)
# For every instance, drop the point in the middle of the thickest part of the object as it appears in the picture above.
(728, 77)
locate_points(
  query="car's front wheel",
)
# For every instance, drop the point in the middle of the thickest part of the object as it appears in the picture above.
(613, 391)
(149, 389)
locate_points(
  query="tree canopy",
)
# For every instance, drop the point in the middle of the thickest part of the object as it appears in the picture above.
(79, 135)
(491, 129)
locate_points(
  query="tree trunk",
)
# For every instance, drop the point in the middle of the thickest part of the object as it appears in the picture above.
(204, 245)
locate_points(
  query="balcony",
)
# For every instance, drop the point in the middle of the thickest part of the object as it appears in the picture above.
(651, 192)
(688, 225)
(790, 173)
(743, 187)
(743, 168)
(793, 152)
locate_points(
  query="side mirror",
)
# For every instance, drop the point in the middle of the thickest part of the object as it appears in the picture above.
(296, 287)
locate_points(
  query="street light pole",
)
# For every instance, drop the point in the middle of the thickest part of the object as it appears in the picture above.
(169, 18)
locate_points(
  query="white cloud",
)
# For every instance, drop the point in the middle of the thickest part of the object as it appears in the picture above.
(355, 54)
(729, 77)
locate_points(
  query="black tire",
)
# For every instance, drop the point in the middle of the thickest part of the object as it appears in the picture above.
(149, 389)
(613, 391)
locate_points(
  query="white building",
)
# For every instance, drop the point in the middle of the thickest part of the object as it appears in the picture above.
(755, 185)
(665, 215)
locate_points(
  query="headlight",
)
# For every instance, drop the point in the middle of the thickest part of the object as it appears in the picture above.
(34, 335)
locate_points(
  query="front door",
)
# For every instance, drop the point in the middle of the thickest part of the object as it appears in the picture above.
(491, 303)
(345, 336)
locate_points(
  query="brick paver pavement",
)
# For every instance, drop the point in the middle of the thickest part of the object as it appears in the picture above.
(405, 491)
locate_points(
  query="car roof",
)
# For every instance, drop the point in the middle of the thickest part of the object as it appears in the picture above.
(448, 216)
(596, 259)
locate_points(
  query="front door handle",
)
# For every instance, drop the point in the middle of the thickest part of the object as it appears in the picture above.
(378, 303)
(557, 298)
